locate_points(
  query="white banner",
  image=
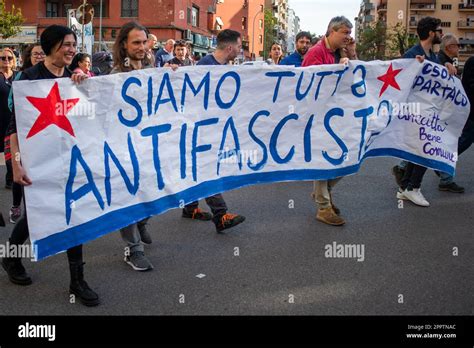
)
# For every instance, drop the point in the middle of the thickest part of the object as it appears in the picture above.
(119, 148)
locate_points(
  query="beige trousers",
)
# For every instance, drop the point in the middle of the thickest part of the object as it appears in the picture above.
(322, 192)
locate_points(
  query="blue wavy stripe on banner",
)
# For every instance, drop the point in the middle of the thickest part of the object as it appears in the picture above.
(117, 219)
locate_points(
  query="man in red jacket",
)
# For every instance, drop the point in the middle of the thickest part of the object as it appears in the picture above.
(337, 47)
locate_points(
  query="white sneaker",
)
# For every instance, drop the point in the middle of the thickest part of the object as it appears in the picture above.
(414, 196)
(400, 194)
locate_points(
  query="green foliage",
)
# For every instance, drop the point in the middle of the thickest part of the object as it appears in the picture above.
(379, 42)
(10, 21)
(269, 36)
(371, 45)
(400, 41)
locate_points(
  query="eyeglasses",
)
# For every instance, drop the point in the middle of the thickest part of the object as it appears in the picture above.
(10, 58)
(439, 31)
(38, 54)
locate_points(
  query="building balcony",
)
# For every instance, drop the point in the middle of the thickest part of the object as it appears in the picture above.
(466, 51)
(382, 8)
(423, 7)
(413, 24)
(368, 6)
(466, 25)
(466, 8)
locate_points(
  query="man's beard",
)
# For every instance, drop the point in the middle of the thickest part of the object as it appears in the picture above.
(302, 51)
(138, 56)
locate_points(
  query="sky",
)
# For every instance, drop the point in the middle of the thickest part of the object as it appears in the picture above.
(315, 14)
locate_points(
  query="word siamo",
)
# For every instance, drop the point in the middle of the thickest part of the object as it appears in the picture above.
(229, 81)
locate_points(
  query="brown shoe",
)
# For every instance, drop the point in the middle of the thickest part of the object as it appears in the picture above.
(328, 216)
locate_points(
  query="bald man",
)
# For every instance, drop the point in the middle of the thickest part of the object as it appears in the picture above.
(164, 54)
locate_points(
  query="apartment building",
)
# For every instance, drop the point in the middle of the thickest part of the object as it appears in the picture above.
(457, 17)
(280, 12)
(293, 29)
(248, 18)
(176, 19)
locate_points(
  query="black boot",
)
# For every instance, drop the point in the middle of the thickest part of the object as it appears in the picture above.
(79, 286)
(15, 270)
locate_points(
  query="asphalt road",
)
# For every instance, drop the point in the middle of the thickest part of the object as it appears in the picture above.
(281, 268)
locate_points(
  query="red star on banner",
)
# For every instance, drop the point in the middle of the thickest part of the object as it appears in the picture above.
(53, 110)
(389, 79)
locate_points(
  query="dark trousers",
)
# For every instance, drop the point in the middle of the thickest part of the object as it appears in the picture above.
(9, 173)
(467, 137)
(17, 190)
(413, 176)
(216, 203)
(21, 233)
(465, 140)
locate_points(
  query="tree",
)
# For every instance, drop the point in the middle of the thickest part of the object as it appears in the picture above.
(399, 40)
(270, 37)
(372, 40)
(10, 21)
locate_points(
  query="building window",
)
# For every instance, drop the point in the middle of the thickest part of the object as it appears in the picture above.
(260, 39)
(446, 24)
(51, 9)
(260, 23)
(446, 7)
(244, 23)
(195, 16)
(261, 8)
(113, 33)
(105, 8)
(66, 8)
(189, 15)
(129, 8)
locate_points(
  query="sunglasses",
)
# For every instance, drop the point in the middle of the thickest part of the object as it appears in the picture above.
(10, 58)
(439, 31)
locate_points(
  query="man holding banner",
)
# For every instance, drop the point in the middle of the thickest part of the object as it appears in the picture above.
(130, 54)
(410, 174)
(229, 45)
(329, 51)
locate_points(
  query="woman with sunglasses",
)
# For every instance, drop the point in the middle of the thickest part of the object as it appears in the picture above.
(31, 56)
(7, 66)
(59, 43)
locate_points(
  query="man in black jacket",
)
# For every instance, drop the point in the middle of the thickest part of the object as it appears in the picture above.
(448, 56)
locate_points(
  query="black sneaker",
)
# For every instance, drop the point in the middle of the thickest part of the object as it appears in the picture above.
(138, 261)
(226, 221)
(197, 214)
(16, 272)
(452, 187)
(144, 235)
(398, 173)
